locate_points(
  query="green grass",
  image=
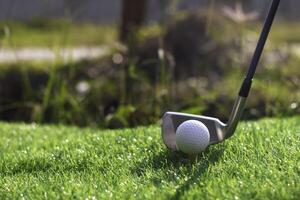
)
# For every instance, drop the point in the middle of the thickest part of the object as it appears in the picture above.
(286, 32)
(52, 33)
(49, 33)
(261, 161)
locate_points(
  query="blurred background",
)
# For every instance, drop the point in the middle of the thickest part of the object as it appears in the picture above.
(123, 63)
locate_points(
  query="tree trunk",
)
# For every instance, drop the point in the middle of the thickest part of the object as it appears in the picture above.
(133, 15)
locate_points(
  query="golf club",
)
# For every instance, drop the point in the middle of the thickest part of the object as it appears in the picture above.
(217, 130)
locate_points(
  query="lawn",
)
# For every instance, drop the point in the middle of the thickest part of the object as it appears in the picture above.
(261, 161)
(55, 33)
(288, 32)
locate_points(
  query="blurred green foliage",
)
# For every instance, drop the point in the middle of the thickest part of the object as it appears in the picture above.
(182, 67)
(54, 33)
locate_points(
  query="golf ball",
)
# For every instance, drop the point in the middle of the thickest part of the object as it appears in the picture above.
(192, 137)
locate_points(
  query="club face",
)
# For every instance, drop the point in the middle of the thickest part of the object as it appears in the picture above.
(171, 121)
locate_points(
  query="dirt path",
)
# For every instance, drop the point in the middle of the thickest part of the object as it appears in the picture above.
(44, 54)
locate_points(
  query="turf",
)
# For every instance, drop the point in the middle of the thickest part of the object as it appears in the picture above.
(261, 161)
(55, 34)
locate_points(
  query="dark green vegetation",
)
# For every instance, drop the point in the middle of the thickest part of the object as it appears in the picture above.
(261, 161)
(54, 95)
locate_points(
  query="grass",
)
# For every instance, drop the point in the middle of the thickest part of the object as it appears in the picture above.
(288, 32)
(49, 33)
(53, 33)
(261, 161)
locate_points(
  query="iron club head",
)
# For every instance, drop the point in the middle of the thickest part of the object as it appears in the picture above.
(218, 130)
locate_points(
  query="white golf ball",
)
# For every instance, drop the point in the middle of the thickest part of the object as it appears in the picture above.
(192, 137)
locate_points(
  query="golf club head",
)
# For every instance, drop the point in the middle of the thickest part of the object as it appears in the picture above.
(171, 121)
(218, 130)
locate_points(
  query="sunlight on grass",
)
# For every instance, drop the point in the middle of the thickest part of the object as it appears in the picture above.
(261, 161)
(59, 33)
(286, 32)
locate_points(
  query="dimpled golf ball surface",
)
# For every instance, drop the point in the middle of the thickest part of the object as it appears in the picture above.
(192, 137)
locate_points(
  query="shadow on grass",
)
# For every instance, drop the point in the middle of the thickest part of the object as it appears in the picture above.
(214, 155)
(167, 161)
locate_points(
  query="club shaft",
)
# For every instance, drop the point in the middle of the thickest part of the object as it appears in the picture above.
(244, 91)
(245, 88)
